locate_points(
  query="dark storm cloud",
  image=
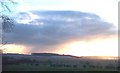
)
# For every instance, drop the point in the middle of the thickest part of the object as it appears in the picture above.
(58, 27)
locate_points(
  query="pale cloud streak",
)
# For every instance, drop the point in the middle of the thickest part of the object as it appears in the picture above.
(107, 9)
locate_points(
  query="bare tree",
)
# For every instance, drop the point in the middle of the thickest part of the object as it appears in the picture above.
(6, 23)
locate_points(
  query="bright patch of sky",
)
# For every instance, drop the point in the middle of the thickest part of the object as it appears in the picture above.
(107, 9)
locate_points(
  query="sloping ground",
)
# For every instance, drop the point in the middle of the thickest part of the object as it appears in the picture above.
(59, 62)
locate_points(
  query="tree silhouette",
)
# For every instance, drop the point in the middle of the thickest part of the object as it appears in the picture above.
(6, 23)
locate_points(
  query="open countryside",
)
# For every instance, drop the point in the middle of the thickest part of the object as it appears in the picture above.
(56, 62)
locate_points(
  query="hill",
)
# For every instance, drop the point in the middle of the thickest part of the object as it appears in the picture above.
(56, 62)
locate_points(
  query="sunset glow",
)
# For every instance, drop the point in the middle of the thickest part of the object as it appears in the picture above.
(75, 27)
(96, 47)
(15, 49)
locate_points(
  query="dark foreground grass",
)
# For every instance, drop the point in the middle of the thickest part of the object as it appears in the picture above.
(60, 72)
(23, 67)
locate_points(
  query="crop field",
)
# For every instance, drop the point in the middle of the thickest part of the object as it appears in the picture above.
(57, 63)
(48, 68)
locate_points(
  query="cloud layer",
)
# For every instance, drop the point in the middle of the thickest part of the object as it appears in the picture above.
(43, 30)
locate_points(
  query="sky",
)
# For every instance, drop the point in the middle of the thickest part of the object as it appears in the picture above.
(75, 27)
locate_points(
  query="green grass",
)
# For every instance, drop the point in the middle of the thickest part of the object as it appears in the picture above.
(26, 67)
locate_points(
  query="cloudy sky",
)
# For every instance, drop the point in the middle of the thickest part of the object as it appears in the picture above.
(75, 27)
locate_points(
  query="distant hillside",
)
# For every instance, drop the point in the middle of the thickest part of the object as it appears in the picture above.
(55, 54)
(53, 62)
(45, 54)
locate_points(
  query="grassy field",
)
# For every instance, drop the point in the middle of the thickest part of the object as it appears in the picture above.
(56, 63)
(26, 67)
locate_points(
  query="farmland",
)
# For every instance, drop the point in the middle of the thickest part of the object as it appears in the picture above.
(48, 62)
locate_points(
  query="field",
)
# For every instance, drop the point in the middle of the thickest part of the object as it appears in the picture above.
(57, 63)
(24, 67)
